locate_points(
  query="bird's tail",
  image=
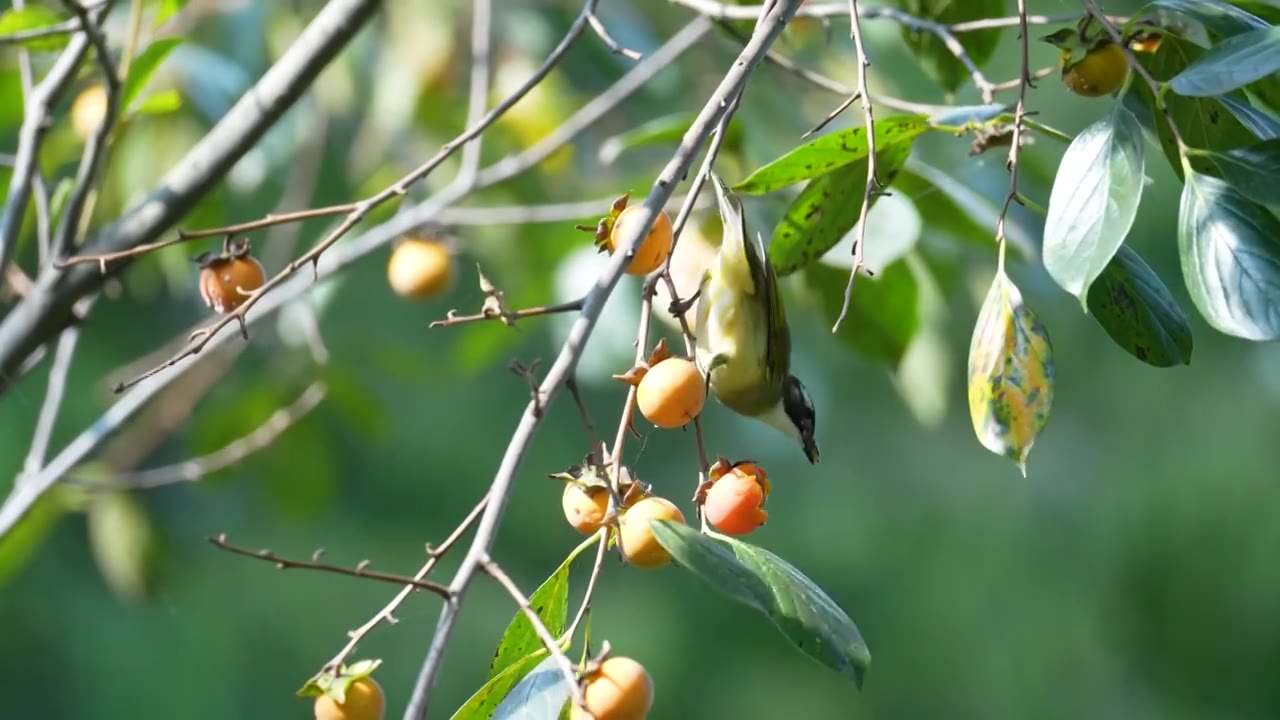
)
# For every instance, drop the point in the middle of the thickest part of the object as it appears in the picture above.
(735, 246)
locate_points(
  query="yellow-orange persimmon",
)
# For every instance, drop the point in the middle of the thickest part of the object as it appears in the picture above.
(364, 701)
(671, 393)
(653, 249)
(1100, 72)
(639, 545)
(420, 268)
(584, 507)
(621, 689)
(734, 503)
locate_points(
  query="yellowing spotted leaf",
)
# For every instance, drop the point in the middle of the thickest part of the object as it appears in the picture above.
(1010, 373)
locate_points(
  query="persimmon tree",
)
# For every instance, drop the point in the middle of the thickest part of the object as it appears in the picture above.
(1195, 85)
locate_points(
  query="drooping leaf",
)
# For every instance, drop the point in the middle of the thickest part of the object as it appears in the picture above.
(665, 130)
(1230, 251)
(1217, 16)
(957, 210)
(757, 578)
(1264, 126)
(161, 103)
(830, 152)
(33, 17)
(1011, 373)
(541, 695)
(143, 67)
(1139, 313)
(1253, 171)
(932, 53)
(1204, 122)
(123, 544)
(884, 311)
(482, 703)
(828, 208)
(1231, 64)
(1094, 200)
(551, 602)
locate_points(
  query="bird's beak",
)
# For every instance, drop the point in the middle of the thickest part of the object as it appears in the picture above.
(811, 450)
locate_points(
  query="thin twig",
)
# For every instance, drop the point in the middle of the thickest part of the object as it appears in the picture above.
(767, 31)
(94, 150)
(572, 386)
(530, 214)
(66, 27)
(227, 456)
(602, 548)
(39, 190)
(56, 387)
(492, 569)
(608, 40)
(453, 318)
(872, 188)
(359, 571)
(1019, 113)
(387, 613)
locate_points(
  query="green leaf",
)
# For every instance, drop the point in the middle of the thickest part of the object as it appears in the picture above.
(1204, 122)
(1256, 121)
(757, 578)
(1011, 373)
(551, 602)
(542, 694)
(831, 152)
(19, 546)
(167, 9)
(33, 17)
(1139, 313)
(1215, 15)
(1231, 64)
(143, 67)
(1265, 9)
(1253, 171)
(123, 543)
(1230, 250)
(957, 210)
(828, 208)
(665, 130)
(935, 59)
(884, 311)
(161, 103)
(1094, 200)
(481, 705)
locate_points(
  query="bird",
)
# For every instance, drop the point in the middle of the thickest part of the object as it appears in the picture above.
(742, 342)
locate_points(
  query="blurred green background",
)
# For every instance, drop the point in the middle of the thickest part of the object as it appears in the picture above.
(1132, 574)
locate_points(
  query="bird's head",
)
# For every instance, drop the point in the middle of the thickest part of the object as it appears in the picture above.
(800, 414)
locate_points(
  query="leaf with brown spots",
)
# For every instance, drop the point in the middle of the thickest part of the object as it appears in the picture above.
(1139, 313)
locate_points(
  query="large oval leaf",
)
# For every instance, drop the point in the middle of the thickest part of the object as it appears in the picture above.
(1139, 313)
(1230, 250)
(827, 209)
(539, 696)
(1254, 171)
(551, 603)
(1254, 120)
(482, 703)
(931, 52)
(761, 580)
(830, 152)
(1011, 373)
(1094, 200)
(1232, 63)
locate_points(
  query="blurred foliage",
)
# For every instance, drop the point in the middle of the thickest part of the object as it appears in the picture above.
(1130, 575)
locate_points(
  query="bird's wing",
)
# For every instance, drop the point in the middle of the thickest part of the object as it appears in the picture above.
(778, 336)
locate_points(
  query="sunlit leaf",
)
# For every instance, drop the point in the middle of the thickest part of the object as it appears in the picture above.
(143, 67)
(1232, 63)
(481, 704)
(884, 311)
(1253, 171)
(757, 578)
(539, 696)
(828, 208)
(931, 52)
(33, 17)
(1215, 15)
(1011, 373)
(551, 602)
(161, 103)
(1094, 200)
(1139, 313)
(1204, 122)
(830, 152)
(1230, 250)
(167, 9)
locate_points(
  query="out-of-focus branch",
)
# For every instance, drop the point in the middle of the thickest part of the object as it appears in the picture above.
(55, 388)
(1019, 115)
(478, 94)
(66, 27)
(47, 309)
(768, 28)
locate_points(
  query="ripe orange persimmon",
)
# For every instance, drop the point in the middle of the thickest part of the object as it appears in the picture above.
(639, 545)
(734, 502)
(653, 249)
(228, 278)
(584, 507)
(364, 701)
(1100, 72)
(671, 393)
(420, 268)
(621, 689)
